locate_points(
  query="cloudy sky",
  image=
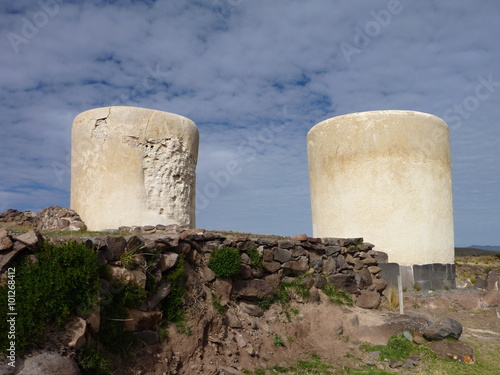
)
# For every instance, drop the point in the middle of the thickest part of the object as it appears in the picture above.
(255, 76)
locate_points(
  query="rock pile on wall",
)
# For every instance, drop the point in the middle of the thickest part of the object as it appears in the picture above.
(54, 218)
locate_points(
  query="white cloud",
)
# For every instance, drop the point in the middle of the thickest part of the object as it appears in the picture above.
(232, 66)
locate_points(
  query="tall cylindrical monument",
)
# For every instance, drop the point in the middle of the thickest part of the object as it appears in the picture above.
(133, 166)
(384, 176)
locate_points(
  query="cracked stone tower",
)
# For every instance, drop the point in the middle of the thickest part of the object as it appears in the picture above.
(133, 166)
(386, 176)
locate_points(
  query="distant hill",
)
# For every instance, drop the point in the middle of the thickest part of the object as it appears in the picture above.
(494, 248)
(477, 251)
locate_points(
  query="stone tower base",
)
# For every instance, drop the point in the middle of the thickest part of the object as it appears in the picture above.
(424, 276)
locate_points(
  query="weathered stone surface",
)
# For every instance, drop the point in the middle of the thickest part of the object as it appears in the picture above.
(380, 285)
(162, 292)
(329, 266)
(222, 289)
(332, 250)
(21, 218)
(358, 264)
(374, 269)
(368, 299)
(457, 350)
(75, 333)
(30, 238)
(57, 218)
(443, 328)
(363, 278)
(295, 266)
(418, 338)
(271, 267)
(246, 271)
(281, 255)
(5, 241)
(365, 246)
(115, 247)
(168, 260)
(251, 309)
(493, 280)
(380, 256)
(491, 299)
(285, 244)
(49, 363)
(208, 274)
(395, 364)
(341, 263)
(138, 320)
(232, 320)
(267, 255)
(345, 148)
(369, 261)
(152, 157)
(316, 262)
(297, 251)
(124, 276)
(256, 288)
(299, 237)
(343, 281)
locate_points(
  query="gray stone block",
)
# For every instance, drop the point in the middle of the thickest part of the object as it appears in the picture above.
(407, 277)
(390, 273)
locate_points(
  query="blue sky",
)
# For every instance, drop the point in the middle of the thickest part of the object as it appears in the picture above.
(254, 76)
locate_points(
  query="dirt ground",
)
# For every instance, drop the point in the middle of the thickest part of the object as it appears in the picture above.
(334, 333)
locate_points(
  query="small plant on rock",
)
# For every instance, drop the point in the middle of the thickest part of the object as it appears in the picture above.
(225, 261)
(255, 258)
(336, 296)
(130, 260)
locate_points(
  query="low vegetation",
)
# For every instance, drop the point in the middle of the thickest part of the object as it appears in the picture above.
(225, 261)
(61, 282)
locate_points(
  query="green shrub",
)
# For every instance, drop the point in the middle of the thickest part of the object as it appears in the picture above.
(62, 283)
(225, 261)
(398, 348)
